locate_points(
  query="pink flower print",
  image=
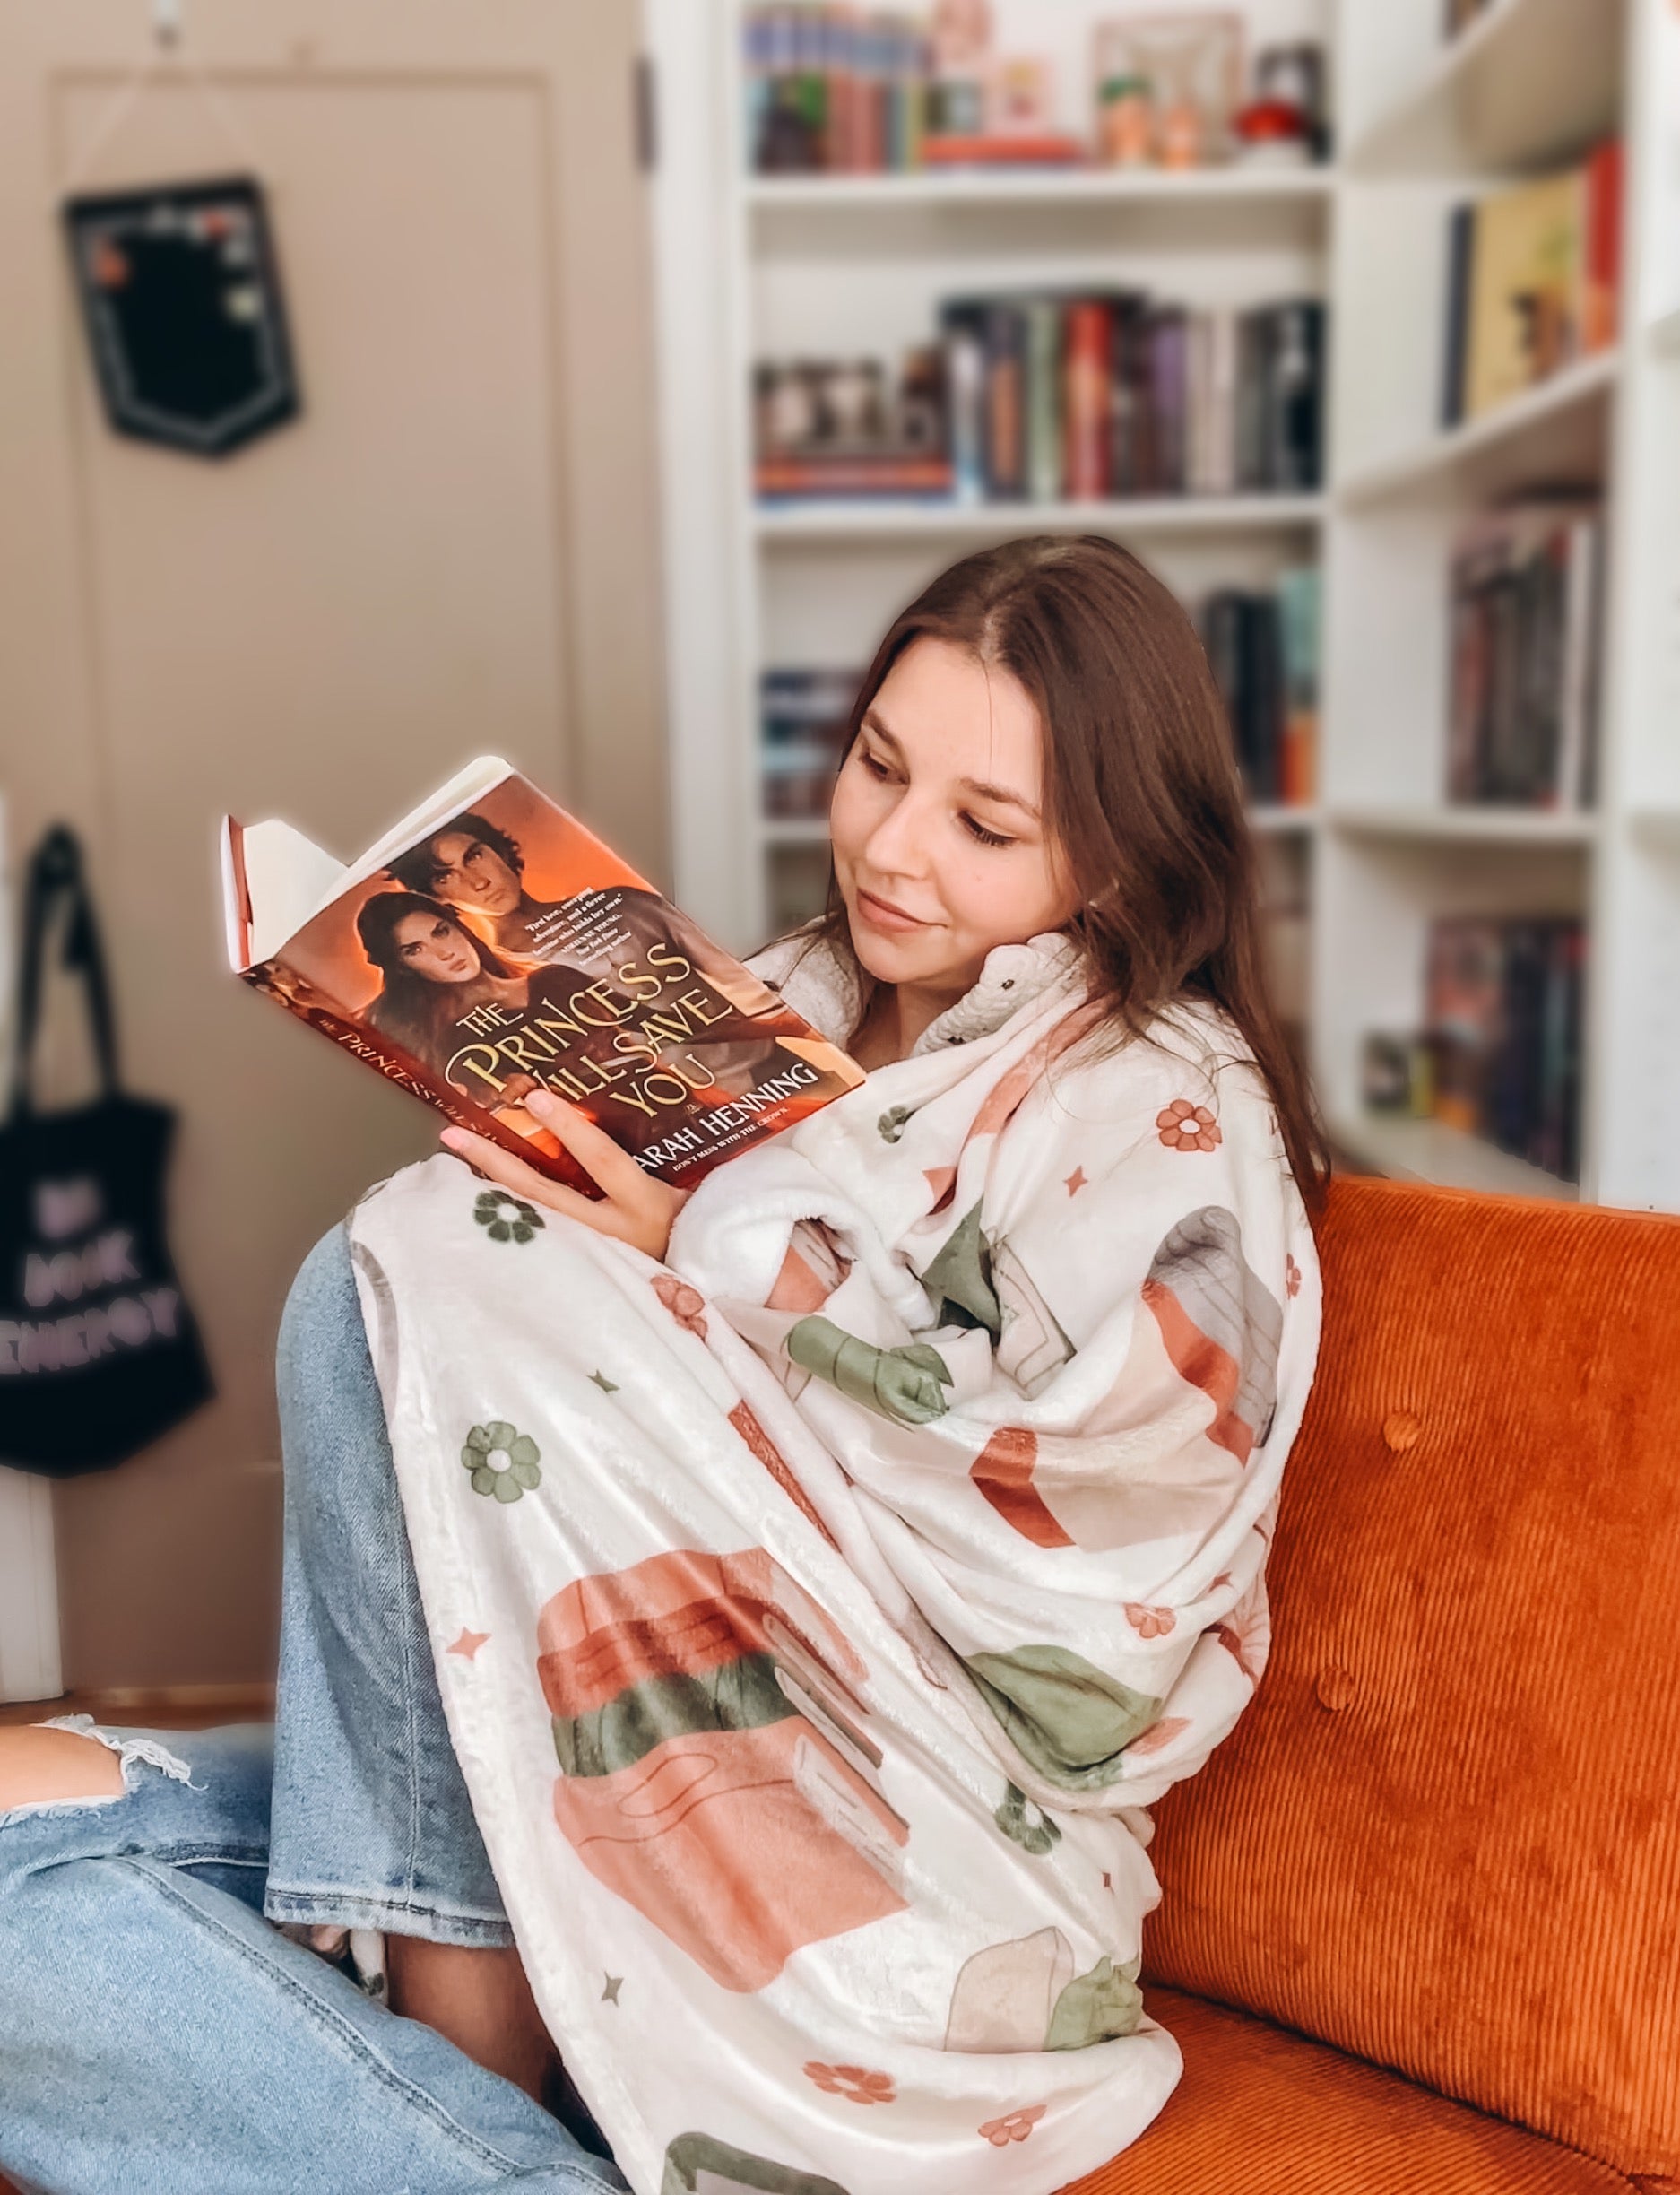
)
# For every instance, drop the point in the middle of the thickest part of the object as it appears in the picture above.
(1188, 1127)
(1014, 2125)
(1246, 1633)
(1158, 1736)
(685, 1304)
(1292, 1276)
(851, 2082)
(1151, 1622)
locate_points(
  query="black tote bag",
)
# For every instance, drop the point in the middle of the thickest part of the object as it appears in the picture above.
(99, 1353)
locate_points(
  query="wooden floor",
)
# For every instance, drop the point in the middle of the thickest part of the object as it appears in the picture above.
(175, 1707)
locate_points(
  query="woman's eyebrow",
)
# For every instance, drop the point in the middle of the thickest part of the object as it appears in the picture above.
(976, 785)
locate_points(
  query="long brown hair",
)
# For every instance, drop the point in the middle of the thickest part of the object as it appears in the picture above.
(1142, 793)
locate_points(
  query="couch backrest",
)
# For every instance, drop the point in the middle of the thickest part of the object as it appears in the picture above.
(1446, 1836)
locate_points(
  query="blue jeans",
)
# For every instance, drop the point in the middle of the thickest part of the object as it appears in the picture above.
(157, 2032)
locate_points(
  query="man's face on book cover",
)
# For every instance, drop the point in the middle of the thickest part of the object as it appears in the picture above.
(471, 874)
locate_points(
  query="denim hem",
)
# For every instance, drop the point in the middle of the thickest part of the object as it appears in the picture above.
(350, 1909)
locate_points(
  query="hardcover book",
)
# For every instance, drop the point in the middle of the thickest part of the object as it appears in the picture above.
(490, 945)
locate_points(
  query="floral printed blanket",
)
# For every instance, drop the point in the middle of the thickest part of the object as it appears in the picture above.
(818, 1614)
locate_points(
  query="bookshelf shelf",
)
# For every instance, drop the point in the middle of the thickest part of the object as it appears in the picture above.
(985, 190)
(1557, 430)
(820, 267)
(1468, 826)
(1429, 1150)
(866, 519)
(1529, 81)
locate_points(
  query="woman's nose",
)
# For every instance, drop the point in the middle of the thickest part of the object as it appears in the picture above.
(896, 842)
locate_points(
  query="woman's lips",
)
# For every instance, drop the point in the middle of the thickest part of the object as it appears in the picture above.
(880, 915)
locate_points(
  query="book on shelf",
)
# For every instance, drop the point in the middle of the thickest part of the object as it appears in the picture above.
(1526, 619)
(805, 716)
(1499, 1052)
(1263, 652)
(489, 945)
(1534, 279)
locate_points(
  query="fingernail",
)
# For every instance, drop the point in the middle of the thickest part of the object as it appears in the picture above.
(456, 1138)
(541, 1101)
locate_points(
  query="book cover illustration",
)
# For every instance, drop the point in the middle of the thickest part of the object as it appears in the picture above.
(493, 946)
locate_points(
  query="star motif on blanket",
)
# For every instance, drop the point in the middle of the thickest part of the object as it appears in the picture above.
(606, 1385)
(613, 1984)
(1074, 1181)
(467, 1646)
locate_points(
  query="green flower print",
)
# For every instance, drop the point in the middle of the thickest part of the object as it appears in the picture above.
(520, 1228)
(891, 1123)
(502, 1462)
(1028, 1825)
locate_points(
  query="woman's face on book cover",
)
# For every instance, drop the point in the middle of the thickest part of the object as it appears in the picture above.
(436, 950)
(940, 845)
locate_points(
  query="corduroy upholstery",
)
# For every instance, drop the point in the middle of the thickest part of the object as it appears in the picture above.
(1445, 1839)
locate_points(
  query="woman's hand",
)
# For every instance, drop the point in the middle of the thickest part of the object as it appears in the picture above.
(634, 1208)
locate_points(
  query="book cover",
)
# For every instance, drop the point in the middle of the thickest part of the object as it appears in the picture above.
(490, 945)
(1525, 290)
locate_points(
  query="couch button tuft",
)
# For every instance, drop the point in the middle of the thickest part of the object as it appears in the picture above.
(1401, 1430)
(1335, 1688)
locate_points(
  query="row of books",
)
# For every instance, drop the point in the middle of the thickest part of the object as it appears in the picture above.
(1526, 652)
(830, 90)
(1047, 398)
(1533, 282)
(1264, 652)
(1499, 1052)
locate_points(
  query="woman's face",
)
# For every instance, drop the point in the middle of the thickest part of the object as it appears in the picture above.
(430, 947)
(939, 848)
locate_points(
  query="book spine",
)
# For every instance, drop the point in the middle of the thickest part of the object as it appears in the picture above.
(1455, 359)
(1127, 400)
(965, 384)
(1167, 364)
(1293, 403)
(1006, 401)
(548, 1155)
(1601, 297)
(1299, 600)
(1252, 337)
(1222, 376)
(1086, 377)
(1044, 436)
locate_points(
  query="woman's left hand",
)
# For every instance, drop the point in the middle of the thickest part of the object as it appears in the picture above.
(634, 1208)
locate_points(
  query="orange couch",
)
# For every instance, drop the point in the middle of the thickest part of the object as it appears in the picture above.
(1420, 1927)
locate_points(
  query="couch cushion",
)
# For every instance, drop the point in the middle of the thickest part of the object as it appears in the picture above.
(1446, 1837)
(1269, 2113)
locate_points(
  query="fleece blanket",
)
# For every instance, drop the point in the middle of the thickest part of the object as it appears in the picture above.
(818, 1613)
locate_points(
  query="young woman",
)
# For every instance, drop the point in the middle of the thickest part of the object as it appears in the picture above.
(819, 1575)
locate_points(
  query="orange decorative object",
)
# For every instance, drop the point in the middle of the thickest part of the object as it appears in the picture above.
(1427, 1895)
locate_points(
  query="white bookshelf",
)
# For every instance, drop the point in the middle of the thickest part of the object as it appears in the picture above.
(756, 267)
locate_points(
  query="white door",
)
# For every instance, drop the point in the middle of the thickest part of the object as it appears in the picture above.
(454, 550)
